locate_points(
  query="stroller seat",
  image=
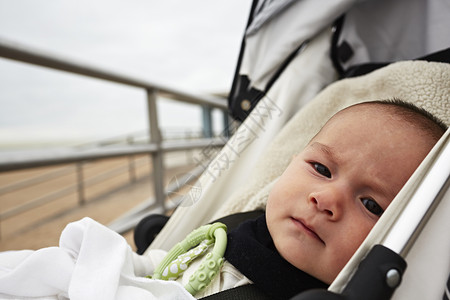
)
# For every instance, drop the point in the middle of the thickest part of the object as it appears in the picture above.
(422, 83)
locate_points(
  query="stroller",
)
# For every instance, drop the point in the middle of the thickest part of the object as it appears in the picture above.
(415, 222)
(274, 104)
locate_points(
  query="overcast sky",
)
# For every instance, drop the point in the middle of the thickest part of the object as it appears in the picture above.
(191, 45)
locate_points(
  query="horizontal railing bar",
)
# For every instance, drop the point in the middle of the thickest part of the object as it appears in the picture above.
(120, 170)
(25, 54)
(172, 146)
(13, 163)
(36, 180)
(50, 158)
(38, 202)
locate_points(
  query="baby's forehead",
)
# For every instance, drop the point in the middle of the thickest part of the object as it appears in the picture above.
(385, 118)
(364, 114)
(366, 129)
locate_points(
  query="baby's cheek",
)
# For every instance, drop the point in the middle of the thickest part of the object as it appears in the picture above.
(275, 199)
(356, 237)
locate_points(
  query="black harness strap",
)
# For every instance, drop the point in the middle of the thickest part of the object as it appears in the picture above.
(234, 220)
(244, 292)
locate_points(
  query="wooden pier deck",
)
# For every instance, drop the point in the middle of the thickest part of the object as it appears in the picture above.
(104, 202)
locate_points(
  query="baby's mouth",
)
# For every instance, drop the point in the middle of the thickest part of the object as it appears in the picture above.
(307, 228)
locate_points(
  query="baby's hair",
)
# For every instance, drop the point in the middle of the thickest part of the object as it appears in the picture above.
(416, 116)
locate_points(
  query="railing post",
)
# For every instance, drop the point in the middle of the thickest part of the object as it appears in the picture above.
(207, 121)
(190, 153)
(226, 124)
(157, 156)
(131, 164)
(80, 184)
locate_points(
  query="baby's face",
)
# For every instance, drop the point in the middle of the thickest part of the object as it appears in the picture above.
(333, 192)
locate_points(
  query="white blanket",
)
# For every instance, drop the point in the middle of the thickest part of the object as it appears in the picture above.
(92, 262)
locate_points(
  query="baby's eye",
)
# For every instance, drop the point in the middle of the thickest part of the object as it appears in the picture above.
(372, 206)
(322, 170)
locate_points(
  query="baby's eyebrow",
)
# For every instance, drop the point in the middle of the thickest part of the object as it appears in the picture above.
(327, 150)
(383, 190)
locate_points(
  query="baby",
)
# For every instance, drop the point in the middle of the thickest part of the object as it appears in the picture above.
(318, 213)
(328, 199)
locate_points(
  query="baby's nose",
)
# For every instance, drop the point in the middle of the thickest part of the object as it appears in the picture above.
(321, 206)
(330, 201)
